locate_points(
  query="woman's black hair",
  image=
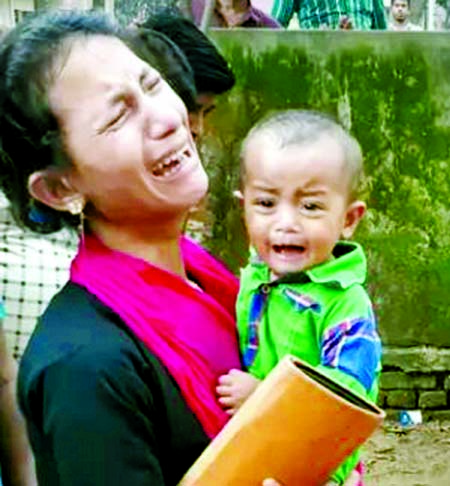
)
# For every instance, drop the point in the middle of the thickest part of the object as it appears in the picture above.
(163, 54)
(30, 136)
(211, 71)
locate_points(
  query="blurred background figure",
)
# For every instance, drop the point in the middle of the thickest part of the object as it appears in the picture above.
(232, 13)
(33, 267)
(16, 458)
(331, 14)
(400, 14)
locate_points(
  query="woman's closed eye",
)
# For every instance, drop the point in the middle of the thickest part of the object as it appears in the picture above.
(115, 120)
(120, 110)
(150, 83)
(126, 103)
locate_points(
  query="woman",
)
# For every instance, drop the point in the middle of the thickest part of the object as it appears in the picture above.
(117, 382)
(111, 141)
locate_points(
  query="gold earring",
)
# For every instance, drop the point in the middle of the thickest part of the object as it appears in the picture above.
(76, 206)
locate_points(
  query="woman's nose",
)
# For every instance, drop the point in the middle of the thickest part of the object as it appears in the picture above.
(161, 119)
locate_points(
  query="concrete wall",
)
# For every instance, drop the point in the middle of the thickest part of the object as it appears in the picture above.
(6, 17)
(7, 7)
(393, 91)
(416, 378)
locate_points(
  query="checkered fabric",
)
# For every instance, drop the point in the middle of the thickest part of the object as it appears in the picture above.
(316, 14)
(33, 268)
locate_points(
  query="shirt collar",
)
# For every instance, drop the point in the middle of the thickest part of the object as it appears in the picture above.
(348, 267)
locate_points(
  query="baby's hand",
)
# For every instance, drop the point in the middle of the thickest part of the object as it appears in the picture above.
(234, 388)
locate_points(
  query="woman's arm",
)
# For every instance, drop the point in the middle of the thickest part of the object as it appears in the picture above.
(16, 458)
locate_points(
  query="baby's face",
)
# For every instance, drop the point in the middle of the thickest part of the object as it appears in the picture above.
(296, 202)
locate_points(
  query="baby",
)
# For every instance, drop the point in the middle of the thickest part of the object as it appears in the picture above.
(302, 291)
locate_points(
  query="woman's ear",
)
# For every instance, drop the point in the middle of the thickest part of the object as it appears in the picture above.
(353, 216)
(52, 188)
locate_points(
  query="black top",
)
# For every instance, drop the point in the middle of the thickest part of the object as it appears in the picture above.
(101, 409)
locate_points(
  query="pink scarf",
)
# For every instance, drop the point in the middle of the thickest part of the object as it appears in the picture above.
(192, 332)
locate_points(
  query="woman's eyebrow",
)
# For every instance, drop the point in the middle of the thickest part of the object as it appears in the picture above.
(116, 94)
(145, 71)
(148, 71)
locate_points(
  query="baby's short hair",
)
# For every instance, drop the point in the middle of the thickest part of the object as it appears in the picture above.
(302, 127)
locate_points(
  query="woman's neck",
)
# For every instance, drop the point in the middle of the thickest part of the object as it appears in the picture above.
(156, 244)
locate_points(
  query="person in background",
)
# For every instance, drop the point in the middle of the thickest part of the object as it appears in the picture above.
(439, 18)
(212, 74)
(399, 18)
(302, 292)
(331, 14)
(33, 267)
(16, 458)
(233, 13)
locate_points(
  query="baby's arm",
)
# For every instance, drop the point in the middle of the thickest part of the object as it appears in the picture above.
(234, 388)
(351, 352)
(351, 349)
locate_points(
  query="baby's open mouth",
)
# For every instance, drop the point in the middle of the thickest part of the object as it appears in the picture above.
(288, 249)
(171, 164)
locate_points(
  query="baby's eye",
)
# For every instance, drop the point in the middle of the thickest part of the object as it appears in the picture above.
(264, 203)
(312, 206)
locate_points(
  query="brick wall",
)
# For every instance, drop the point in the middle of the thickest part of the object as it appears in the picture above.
(416, 378)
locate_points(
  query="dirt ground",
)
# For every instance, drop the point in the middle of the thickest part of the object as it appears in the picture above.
(417, 456)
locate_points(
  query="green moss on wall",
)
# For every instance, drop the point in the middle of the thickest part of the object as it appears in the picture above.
(393, 92)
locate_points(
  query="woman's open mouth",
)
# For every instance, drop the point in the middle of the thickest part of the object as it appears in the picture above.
(172, 164)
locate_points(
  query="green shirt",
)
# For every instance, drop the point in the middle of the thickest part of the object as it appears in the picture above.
(322, 315)
(315, 14)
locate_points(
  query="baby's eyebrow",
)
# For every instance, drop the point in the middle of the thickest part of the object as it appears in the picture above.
(314, 192)
(263, 187)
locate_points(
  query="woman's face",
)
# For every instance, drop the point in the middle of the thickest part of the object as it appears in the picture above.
(126, 132)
